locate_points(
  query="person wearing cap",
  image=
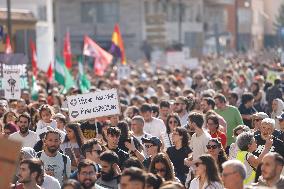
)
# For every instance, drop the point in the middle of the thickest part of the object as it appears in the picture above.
(152, 147)
(256, 120)
(281, 121)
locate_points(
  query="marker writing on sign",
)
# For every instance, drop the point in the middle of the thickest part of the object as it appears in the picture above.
(96, 109)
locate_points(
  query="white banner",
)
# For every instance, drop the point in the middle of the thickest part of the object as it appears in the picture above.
(91, 105)
(123, 72)
(11, 83)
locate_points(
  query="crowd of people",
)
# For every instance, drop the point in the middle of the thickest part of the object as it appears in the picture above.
(210, 128)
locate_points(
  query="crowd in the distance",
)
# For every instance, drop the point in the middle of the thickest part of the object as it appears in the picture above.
(210, 128)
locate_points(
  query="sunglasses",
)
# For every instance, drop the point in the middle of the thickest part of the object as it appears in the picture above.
(171, 122)
(198, 163)
(98, 151)
(257, 120)
(211, 146)
(148, 146)
(160, 170)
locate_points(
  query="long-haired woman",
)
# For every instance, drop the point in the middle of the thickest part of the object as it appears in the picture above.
(216, 150)
(72, 143)
(207, 176)
(162, 166)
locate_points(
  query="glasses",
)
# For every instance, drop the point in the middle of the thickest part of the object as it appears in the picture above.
(211, 146)
(228, 174)
(90, 174)
(160, 170)
(148, 146)
(171, 122)
(198, 163)
(98, 151)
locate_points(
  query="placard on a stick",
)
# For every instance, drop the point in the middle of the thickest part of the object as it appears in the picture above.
(91, 105)
(11, 83)
(8, 160)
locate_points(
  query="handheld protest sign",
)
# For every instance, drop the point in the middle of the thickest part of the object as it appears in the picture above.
(91, 105)
(9, 156)
(11, 84)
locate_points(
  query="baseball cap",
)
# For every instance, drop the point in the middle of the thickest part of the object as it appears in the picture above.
(280, 116)
(261, 115)
(154, 140)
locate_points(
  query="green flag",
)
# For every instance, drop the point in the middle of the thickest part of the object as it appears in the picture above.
(84, 82)
(62, 74)
(34, 89)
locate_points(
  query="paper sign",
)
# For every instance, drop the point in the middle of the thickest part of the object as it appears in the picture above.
(91, 105)
(123, 72)
(8, 160)
(11, 84)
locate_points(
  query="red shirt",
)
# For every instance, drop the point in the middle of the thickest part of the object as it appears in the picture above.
(221, 136)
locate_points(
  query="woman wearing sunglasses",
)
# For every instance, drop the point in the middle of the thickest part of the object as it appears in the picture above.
(207, 176)
(215, 149)
(162, 166)
(172, 122)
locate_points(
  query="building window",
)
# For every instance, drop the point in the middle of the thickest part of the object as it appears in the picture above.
(42, 13)
(101, 12)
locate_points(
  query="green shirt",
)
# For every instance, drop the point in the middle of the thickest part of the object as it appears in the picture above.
(233, 118)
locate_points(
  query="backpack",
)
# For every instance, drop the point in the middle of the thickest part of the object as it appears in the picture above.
(64, 157)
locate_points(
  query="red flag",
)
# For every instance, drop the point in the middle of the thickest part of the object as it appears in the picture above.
(34, 58)
(8, 47)
(67, 51)
(102, 57)
(50, 72)
(117, 46)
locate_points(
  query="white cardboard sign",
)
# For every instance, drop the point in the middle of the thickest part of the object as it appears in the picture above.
(91, 105)
(11, 83)
(123, 72)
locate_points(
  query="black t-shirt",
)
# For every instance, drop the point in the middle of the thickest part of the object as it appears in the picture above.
(123, 156)
(177, 157)
(91, 130)
(277, 145)
(247, 111)
(146, 163)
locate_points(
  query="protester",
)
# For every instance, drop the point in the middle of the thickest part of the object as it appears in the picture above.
(172, 122)
(233, 175)
(137, 128)
(181, 107)
(153, 181)
(207, 175)
(179, 152)
(27, 137)
(86, 174)
(212, 124)
(46, 113)
(132, 178)
(165, 110)
(110, 170)
(72, 144)
(271, 168)
(277, 109)
(30, 170)
(230, 113)
(9, 129)
(256, 120)
(247, 108)
(55, 163)
(153, 126)
(218, 153)
(152, 148)
(281, 121)
(71, 184)
(162, 166)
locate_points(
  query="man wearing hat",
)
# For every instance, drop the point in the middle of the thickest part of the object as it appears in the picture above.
(152, 147)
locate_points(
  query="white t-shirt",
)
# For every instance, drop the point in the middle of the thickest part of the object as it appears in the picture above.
(27, 141)
(50, 182)
(198, 144)
(56, 165)
(41, 127)
(214, 185)
(183, 119)
(155, 127)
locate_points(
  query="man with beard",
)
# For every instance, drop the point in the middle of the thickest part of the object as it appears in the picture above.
(55, 164)
(86, 174)
(24, 135)
(30, 170)
(110, 170)
(272, 165)
(181, 107)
